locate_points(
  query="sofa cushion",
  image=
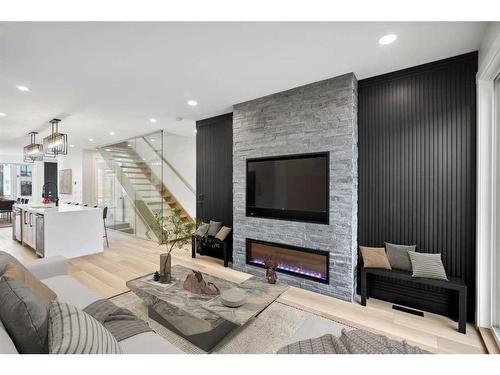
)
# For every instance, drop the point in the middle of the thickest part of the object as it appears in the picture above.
(427, 265)
(71, 291)
(72, 331)
(374, 257)
(214, 227)
(398, 256)
(148, 343)
(6, 344)
(5, 259)
(24, 315)
(24, 276)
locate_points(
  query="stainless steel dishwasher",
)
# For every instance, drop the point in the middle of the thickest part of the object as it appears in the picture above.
(40, 236)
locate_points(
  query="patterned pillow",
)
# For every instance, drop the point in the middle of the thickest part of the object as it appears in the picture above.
(427, 265)
(72, 331)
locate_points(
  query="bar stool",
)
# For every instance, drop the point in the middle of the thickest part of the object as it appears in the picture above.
(104, 216)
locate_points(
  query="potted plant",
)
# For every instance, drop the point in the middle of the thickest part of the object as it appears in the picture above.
(200, 240)
(172, 230)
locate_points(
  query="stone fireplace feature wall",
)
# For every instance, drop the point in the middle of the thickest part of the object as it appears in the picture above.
(318, 117)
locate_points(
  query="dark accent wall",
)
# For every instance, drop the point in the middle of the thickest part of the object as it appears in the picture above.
(417, 172)
(214, 170)
(50, 175)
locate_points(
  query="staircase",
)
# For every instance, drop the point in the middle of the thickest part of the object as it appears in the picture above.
(144, 188)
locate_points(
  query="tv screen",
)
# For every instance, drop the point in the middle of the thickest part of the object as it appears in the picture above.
(289, 187)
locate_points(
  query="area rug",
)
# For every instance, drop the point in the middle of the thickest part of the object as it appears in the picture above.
(265, 334)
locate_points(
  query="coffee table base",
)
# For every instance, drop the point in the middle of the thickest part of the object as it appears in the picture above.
(205, 341)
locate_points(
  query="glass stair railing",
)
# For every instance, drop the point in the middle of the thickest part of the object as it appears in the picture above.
(136, 168)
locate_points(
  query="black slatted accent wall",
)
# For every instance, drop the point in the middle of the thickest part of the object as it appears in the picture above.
(417, 171)
(214, 170)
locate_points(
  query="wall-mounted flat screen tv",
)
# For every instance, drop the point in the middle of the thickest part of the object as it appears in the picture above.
(293, 187)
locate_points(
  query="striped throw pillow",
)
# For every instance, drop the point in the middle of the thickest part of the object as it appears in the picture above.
(72, 331)
(427, 265)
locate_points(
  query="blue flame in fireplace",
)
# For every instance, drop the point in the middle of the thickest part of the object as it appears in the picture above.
(294, 269)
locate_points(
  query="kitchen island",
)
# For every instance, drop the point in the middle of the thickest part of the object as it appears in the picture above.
(66, 230)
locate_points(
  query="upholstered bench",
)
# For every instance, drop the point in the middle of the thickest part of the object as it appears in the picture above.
(452, 283)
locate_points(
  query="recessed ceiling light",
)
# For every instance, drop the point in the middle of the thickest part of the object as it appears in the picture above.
(192, 103)
(91, 139)
(111, 133)
(23, 88)
(152, 139)
(387, 39)
(129, 145)
(152, 120)
(71, 145)
(2, 114)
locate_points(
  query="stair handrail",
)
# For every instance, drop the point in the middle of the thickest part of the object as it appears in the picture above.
(162, 157)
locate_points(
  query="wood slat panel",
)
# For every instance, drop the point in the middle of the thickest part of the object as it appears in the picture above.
(417, 170)
(214, 170)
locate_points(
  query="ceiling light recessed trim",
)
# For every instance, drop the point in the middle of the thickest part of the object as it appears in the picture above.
(387, 39)
(91, 139)
(153, 120)
(192, 103)
(23, 88)
(112, 133)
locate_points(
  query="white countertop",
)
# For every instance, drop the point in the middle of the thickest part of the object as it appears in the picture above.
(51, 208)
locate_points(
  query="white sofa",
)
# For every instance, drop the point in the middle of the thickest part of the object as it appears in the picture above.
(54, 273)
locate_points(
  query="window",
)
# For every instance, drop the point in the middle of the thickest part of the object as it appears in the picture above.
(496, 254)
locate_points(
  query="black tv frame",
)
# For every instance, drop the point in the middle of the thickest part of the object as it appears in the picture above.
(291, 215)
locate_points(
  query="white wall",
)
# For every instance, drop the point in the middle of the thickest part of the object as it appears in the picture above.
(490, 46)
(71, 161)
(180, 152)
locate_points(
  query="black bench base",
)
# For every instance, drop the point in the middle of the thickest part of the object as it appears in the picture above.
(453, 284)
(223, 244)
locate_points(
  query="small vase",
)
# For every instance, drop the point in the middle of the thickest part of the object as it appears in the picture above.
(165, 268)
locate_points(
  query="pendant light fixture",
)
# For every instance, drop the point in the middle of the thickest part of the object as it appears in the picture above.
(56, 143)
(34, 151)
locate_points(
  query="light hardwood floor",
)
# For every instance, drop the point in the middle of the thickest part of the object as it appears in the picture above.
(129, 257)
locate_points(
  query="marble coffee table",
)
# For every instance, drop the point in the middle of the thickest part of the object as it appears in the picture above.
(202, 319)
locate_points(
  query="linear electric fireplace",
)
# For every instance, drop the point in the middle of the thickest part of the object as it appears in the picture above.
(298, 261)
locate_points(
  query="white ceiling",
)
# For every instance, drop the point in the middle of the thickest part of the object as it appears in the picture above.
(103, 77)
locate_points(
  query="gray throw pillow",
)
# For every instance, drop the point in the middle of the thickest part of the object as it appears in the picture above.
(202, 229)
(427, 265)
(72, 331)
(214, 228)
(398, 256)
(24, 316)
